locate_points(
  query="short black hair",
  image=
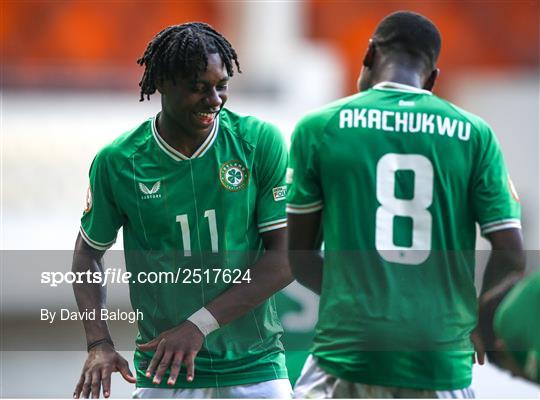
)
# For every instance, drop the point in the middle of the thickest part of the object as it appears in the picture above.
(182, 50)
(410, 33)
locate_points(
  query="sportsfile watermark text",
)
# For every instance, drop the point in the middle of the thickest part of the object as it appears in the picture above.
(117, 275)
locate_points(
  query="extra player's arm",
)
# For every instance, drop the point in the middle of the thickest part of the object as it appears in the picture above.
(509, 324)
(305, 258)
(102, 359)
(181, 344)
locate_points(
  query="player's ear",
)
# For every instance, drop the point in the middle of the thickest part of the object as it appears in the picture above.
(430, 81)
(369, 57)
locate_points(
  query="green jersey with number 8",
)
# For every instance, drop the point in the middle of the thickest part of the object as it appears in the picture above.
(401, 177)
(192, 226)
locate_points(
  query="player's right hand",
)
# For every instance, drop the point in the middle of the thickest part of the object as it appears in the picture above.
(101, 362)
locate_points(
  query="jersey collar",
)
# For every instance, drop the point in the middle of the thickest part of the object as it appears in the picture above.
(400, 87)
(178, 156)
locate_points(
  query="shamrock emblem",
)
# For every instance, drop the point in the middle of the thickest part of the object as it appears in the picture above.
(234, 176)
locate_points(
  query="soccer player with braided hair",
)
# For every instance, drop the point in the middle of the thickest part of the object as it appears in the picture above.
(199, 192)
(183, 50)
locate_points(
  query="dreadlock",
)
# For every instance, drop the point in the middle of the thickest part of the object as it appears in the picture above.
(182, 50)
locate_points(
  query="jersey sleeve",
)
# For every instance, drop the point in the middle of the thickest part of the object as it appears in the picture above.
(101, 219)
(270, 166)
(304, 191)
(495, 200)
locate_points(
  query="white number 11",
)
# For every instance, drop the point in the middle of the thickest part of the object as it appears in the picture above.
(186, 238)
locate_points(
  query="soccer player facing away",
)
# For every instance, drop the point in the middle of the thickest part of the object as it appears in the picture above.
(198, 189)
(393, 179)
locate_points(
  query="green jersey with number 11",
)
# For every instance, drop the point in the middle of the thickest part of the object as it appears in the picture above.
(401, 177)
(198, 222)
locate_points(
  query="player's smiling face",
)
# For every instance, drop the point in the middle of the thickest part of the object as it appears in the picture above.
(192, 105)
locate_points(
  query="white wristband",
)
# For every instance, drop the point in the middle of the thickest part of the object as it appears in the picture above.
(204, 320)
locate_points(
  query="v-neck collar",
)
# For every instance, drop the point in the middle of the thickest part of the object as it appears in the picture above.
(177, 155)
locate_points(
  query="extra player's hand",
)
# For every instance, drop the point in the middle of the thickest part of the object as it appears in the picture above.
(479, 350)
(173, 348)
(101, 362)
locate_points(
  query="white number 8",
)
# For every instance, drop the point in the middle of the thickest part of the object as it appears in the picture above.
(414, 208)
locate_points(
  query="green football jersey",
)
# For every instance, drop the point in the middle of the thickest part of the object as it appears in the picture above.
(401, 177)
(198, 219)
(517, 323)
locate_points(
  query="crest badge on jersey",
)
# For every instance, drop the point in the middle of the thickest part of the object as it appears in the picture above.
(88, 203)
(150, 193)
(234, 175)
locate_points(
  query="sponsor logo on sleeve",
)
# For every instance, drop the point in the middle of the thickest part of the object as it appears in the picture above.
(279, 193)
(150, 193)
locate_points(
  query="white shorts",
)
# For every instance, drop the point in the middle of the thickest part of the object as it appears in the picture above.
(314, 383)
(275, 389)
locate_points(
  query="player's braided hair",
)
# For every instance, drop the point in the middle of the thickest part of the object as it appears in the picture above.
(182, 50)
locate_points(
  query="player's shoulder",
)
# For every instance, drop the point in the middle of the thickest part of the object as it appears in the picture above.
(249, 129)
(320, 117)
(478, 123)
(313, 125)
(125, 145)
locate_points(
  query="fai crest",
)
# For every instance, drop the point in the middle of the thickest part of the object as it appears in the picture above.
(234, 175)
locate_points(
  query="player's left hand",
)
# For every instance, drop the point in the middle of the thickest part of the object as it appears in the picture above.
(479, 350)
(173, 348)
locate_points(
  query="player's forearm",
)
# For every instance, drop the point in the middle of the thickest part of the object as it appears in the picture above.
(502, 267)
(307, 268)
(305, 257)
(268, 275)
(507, 258)
(90, 296)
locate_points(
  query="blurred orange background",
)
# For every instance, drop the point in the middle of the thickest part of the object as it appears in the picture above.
(89, 44)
